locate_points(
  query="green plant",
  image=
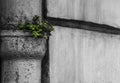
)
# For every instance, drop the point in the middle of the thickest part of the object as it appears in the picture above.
(38, 28)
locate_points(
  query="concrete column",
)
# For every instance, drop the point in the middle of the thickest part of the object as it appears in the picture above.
(21, 57)
(21, 54)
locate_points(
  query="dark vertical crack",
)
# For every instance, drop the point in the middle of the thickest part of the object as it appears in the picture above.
(45, 66)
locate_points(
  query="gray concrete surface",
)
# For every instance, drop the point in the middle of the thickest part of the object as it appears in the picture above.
(21, 71)
(18, 45)
(22, 55)
(97, 11)
(13, 10)
(76, 56)
(81, 56)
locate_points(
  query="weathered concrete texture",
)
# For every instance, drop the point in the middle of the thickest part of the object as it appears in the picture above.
(13, 10)
(22, 56)
(80, 56)
(98, 11)
(12, 47)
(22, 47)
(21, 71)
(21, 53)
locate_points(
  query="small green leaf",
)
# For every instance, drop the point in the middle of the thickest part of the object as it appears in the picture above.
(39, 29)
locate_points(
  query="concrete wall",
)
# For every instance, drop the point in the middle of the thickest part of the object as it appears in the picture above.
(81, 56)
(98, 11)
(76, 56)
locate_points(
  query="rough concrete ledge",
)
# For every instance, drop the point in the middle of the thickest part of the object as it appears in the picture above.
(19, 44)
(13, 33)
